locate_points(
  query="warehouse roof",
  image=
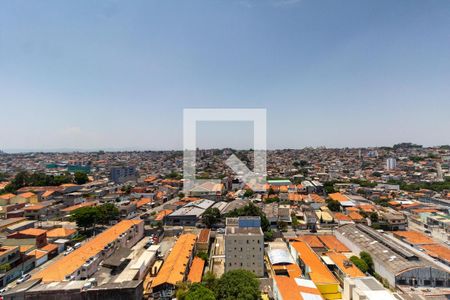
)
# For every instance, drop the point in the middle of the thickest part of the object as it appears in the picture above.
(174, 268)
(377, 247)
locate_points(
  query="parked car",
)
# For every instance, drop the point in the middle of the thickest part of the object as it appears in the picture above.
(77, 245)
(68, 251)
(23, 278)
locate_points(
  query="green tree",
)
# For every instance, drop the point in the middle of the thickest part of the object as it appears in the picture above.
(199, 292)
(182, 289)
(359, 263)
(211, 216)
(368, 260)
(107, 212)
(334, 205)
(126, 189)
(251, 210)
(238, 284)
(3, 176)
(295, 222)
(268, 235)
(80, 177)
(86, 217)
(210, 280)
(248, 193)
(282, 226)
(374, 217)
(203, 255)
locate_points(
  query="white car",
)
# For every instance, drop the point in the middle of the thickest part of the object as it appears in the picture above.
(68, 251)
(23, 278)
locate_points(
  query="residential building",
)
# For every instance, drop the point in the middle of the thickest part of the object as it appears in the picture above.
(84, 261)
(244, 245)
(122, 174)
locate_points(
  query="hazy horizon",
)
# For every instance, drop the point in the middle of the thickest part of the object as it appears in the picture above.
(131, 149)
(115, 75)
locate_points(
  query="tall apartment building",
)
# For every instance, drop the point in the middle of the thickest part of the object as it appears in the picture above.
(122, 174)
(391, 164)
(244, 245)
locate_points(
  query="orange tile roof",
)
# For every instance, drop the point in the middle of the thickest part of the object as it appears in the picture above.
(190, 199)
(196, 271)
(174, 268)
(160, 216)
(150, 179)
(424, 210)
(290, 290)
(49, 247)
(312, 240)
(352, 208)
(438, 251)
(34, 207)
(25, 248)
(318, 272)
(411, 205)
(293, 270)
(47, 194)
(355, 216)
(332, 243)
(414, 237)
(283, 189)
(33, 231)
(338, 197)
(68, 184)
(66, 265)
(341, 217)
(295, 197)
(350, 270)
(7, 196)
(316, 198)
(27, 195)
(60, 232)
(38, 253)
(142, 202)
(367, 207)
(7, 249)
(203, 236)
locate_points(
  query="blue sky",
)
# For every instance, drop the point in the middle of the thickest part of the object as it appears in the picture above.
(117, 74)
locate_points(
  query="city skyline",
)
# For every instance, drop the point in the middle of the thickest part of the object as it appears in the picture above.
(114, 75)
